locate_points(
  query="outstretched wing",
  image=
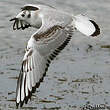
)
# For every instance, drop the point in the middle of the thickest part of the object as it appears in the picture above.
(41, 49)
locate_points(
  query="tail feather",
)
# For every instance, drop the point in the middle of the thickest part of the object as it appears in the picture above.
(86, 26)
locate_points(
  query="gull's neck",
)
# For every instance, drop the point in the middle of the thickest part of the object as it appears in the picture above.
(36, 20)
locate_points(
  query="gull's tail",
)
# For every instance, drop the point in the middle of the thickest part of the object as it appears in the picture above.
(86, 26)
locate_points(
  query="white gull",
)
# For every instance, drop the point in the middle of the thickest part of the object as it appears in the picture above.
(54, 32)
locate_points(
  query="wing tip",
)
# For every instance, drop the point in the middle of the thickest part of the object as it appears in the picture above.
(21, 103)
(17, 105)
(97, 29)
(26, 98)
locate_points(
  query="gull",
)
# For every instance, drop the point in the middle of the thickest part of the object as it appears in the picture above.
(54, 30)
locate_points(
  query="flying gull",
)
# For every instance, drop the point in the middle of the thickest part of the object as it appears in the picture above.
(54, 31)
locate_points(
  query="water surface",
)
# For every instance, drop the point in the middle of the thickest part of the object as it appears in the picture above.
(80, 75)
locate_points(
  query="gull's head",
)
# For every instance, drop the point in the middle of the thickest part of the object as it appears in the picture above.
(29, 16)
(25, 15)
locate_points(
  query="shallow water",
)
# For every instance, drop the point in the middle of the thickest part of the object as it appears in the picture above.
(78, 76)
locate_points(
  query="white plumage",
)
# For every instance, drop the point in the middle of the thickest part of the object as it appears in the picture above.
(54, 33)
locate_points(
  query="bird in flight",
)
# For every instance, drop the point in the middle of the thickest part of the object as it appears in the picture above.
(54, 31)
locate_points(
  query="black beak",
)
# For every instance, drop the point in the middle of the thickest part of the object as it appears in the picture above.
(18, 24)
(13, 19)
(16, 21)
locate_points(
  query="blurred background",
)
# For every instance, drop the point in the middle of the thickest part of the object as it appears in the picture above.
(80, 75)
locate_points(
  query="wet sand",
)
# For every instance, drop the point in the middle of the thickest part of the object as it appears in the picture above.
(80, 75)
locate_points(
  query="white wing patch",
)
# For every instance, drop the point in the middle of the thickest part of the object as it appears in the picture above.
(35, 63)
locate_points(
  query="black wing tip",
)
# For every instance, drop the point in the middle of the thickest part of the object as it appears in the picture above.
(26, 98)
(21, 103)
(17, 105)
(97, 31)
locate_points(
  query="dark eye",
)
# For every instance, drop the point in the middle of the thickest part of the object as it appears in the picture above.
(22, 15)
(29, 15)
